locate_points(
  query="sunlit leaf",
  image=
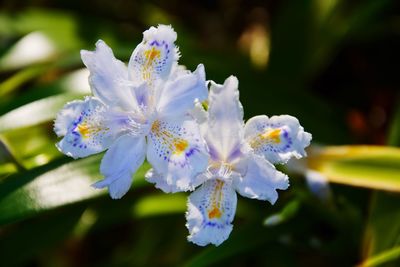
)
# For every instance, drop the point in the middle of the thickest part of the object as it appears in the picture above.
(60, 26)
(33, 48)
(376, 167)
(382, 258)
(34, 113)
(50, 186)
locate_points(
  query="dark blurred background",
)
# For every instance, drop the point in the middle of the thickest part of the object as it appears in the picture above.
(331, 63)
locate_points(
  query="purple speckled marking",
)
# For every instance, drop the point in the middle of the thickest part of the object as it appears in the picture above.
(154, 43)
(204, 204)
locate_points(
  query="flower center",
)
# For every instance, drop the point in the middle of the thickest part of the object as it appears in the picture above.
(83, 130)
(152, 54)
(155, 127)
(273, 135)
(267, 137)
(180, 146)
(170, 139)
(216, 200)
(86, 130)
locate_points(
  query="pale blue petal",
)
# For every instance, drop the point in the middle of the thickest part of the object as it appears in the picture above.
(153, 58)
(261, 180)
(225, 121)
(177, 151)
(278, 138)
(178, 96)
(108, 77)
(120, 162)
(85, 128)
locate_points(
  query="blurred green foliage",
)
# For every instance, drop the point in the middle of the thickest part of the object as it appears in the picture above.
(331, 63)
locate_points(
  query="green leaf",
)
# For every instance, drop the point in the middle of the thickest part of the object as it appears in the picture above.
(241, 240)
(394, 132)
(20, 78)
(53, 185)
(376, 167)
(383, 230)
(288, 212)
(22, 243)
(60, 26)
(381, 258)
(160, 204)
(381, 239)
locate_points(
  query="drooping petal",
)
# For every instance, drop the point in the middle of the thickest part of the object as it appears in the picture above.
(261, 180)
(178, 96)
(177, 151)
(108, 77)
(225, 123)
(85, 128)
(211, 209)
(277, 138)
(160, 181)
(120, 162)
(154, 56)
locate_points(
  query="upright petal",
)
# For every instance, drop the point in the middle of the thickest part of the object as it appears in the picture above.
(177, 151)
(225, 123)
(84, 127)
(211, 209)
(119, 163)
(261, 180)
(277, 138)
(178, 96)
(108, 76)
(154, 56)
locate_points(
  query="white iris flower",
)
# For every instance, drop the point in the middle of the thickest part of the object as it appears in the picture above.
(137, 110)
(241, 157)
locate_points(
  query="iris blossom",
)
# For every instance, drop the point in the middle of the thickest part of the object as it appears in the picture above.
(241, 160)
(136, 111)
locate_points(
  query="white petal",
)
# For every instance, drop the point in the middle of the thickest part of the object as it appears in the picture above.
(261, 180)
(200, 115)
(177, 70)
(225, 123)
(179, 95)
(211, 209)
(160, 181)
(119, 163)
(108, 76)
(66, 117)
(277, 138)
(154, 56)
(177, 151)
(84, 126)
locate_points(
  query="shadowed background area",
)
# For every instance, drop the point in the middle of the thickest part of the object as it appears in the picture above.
(333, 64)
